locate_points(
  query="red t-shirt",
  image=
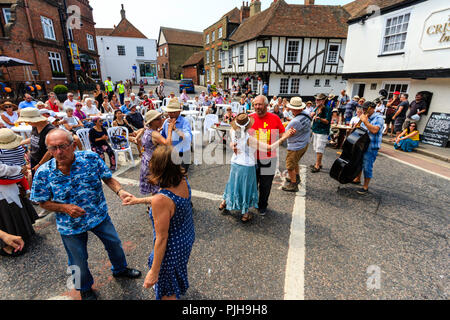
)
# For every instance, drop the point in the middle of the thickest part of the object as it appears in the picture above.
(267, 129)
(54, 107)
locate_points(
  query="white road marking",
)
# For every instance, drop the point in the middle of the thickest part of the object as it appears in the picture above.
(414, 166)
(294, 284)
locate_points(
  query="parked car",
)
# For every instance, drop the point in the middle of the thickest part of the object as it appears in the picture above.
(187, 84)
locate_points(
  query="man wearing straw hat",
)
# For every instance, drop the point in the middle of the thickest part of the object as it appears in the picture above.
(182, 133)
(297, 144)
(41, 127)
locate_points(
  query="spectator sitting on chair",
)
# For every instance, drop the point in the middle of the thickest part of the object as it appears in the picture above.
(135, 119)
(28, 102)
(70, 102)
(135, 100)
(72, 123)
(120, 121)
(85, 120)
(90, 109)
(127, 106)
(409, 139)
(98, 137)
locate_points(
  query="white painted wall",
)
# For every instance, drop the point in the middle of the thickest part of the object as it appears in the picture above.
(307, 86)
(120, 67)
(364, 42)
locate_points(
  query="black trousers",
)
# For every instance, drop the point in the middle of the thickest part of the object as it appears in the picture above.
(265, 172)
(185, 162)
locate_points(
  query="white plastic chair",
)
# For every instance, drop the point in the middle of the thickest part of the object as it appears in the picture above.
(210, 121)
(119, 131)
(196, 138)
(83, 134)
(166, 102)
(109, 120)
(235, 107)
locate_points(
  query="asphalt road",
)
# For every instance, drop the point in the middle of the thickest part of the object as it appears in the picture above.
(399, 230)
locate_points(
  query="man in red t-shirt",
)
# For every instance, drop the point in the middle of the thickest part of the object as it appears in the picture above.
(268, 129)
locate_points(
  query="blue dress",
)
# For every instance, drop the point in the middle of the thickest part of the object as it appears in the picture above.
(173, 278)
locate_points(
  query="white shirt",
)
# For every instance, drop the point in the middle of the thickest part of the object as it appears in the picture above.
(90, 111)
(380, 108)
(354, 121)
(246, 154)
(69, 103)
(11, 119)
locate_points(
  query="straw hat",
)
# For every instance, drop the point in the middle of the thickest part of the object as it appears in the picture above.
(8, 139)
(331, 96)
(151, 115)
(321, 96)
(173, 106)
(242, 119)
(40, 103)
(7, 103)
(296, 103)
(31, 115)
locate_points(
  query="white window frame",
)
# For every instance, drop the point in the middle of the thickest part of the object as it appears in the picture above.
(213, 36)
(124, 50)
(219, 75)
(396, 83)
(297, 60)
(55, 61)
(90, 41)
(165, 51)
(207, 56)
(213, 55)
(48, 29)
(7, 14)
(241, 55)
(207, 38)
(284, 86)
(291, 86)
(220, 33)
(160, 52)
(208, 72)
(336, 61)
(137, 51)
(383, 38)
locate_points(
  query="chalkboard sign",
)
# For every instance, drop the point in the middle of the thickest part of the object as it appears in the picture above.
(437, 131)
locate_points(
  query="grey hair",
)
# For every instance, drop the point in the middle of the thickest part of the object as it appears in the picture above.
(266, 101)
(69, 136)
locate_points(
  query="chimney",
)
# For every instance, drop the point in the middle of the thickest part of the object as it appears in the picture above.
(309, 2)
(122, 12)
(255, 7)
(245, 11)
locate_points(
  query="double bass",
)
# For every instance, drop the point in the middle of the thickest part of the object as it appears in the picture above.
(348, 166)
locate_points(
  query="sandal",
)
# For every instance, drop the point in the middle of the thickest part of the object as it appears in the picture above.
(314, 170)
(222, 206)
(247, 217)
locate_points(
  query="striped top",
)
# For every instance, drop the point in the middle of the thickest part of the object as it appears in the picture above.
(13, 157)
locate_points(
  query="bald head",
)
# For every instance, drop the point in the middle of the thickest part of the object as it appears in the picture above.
(58, 135)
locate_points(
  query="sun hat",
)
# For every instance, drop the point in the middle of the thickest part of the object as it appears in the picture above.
(31, 115)
(151, 115)
(242, 120)
(309, 102)
(44, 111)
(296, 103)
(8, 139)
(40, 103)
(321, 96)
(173, 106)
(356, 98)
(331, 96)
(335, 110)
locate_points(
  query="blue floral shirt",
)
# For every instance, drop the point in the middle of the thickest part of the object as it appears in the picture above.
(83, 188)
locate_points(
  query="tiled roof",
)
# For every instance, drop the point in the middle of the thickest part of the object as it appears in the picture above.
(183, 37)
(282, 19)
(124, 29)
(358, 8)
(196, 58)
(234, 16)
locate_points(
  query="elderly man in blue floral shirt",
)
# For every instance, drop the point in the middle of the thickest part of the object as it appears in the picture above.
(373, 122)
(71, 185)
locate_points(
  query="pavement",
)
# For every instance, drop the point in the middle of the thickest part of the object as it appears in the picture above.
(427, 150)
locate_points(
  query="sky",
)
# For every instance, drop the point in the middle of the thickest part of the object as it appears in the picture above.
(149, 15)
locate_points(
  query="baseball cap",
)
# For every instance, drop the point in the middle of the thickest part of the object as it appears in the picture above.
(397, 93)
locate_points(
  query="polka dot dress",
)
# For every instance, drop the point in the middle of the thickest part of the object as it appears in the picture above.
(173, 278)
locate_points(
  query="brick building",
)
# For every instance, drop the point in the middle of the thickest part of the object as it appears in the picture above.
(175, 46)
(215, 42)
(36, 31)
(193, 68)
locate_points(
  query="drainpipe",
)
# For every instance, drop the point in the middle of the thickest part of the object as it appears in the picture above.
(33, 45)
(63, 18)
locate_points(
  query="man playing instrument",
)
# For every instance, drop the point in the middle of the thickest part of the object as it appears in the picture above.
(373, 122)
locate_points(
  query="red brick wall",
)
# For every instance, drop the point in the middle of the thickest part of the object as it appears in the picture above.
(190, 72)
(163, 60)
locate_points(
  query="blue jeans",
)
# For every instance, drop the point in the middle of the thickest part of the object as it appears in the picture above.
(407, 145)
(76, 248)
(368, 161)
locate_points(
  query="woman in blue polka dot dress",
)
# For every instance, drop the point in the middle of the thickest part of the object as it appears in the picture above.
(173, 226)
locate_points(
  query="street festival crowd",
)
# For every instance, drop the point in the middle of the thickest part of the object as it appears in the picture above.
(51, 165)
